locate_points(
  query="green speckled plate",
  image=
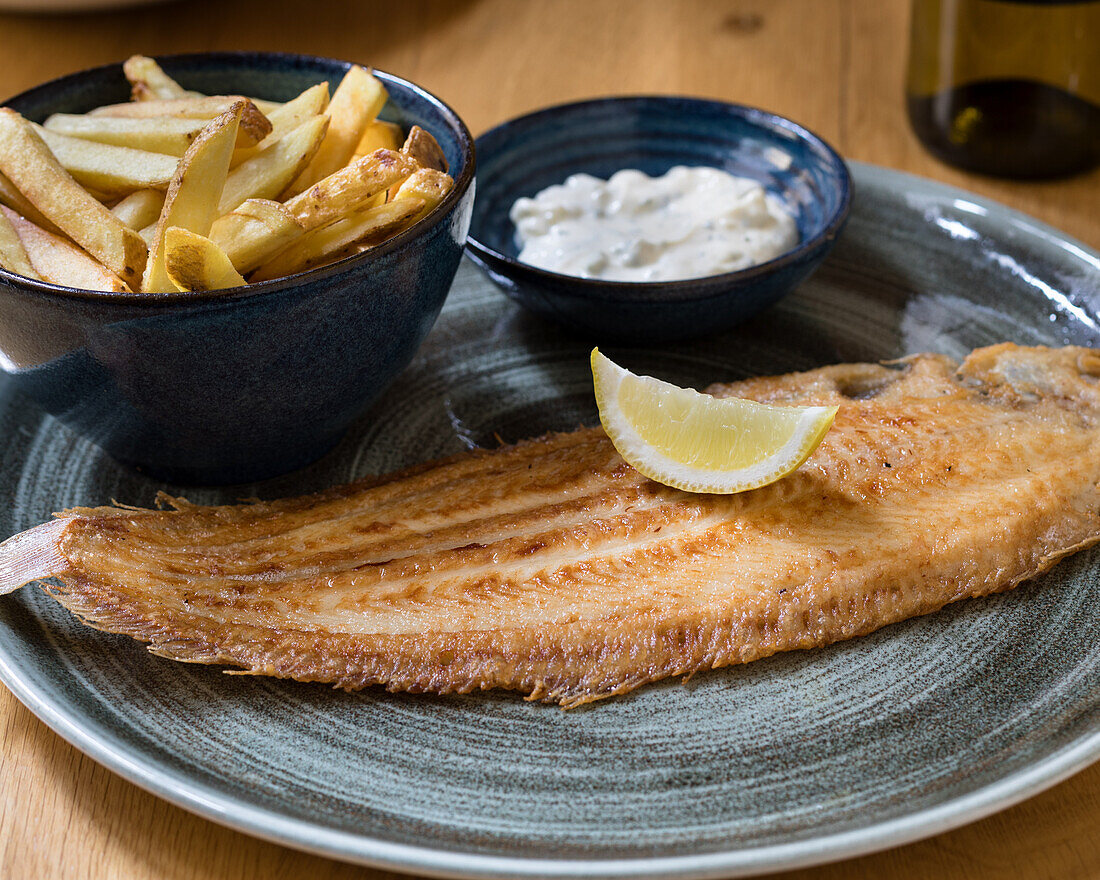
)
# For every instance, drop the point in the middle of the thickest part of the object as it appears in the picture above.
(794, 760)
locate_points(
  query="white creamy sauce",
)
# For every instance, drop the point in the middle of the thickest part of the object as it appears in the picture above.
(689, 223)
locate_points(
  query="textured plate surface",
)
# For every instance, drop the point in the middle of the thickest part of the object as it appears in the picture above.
(798, 759)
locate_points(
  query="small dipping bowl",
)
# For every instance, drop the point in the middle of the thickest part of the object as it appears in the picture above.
(653, 134)
(236, 386)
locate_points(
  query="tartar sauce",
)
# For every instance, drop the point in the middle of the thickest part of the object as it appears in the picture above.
(689, 223)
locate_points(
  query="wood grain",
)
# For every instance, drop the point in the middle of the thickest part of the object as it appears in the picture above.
(834, 65)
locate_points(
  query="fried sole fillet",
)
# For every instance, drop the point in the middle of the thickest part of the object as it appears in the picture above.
(553, 568)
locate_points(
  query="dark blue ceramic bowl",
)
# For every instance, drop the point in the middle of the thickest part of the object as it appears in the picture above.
(237, 386)
(653, 134)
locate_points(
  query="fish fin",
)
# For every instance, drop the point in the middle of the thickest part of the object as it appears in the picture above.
(32, 555)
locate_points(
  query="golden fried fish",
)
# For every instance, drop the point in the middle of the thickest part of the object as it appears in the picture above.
(553, 568)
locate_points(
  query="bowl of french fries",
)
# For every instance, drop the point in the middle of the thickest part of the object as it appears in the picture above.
(211, 264)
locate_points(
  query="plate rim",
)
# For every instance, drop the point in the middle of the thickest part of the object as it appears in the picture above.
(276, 828)
(101, 744)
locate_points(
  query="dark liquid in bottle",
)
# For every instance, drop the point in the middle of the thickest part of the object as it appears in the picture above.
(1009, 127)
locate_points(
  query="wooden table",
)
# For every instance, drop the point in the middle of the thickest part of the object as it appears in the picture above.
(834, 65)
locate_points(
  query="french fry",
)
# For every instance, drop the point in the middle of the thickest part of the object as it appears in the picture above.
(268, 173)
(294, 112)
(428, 185)
(13, 255)
(253, 122)
(195, 263)
(15, 200)
(287, 117)
(266, 107)
(254, 233)
(330, 242)
(148, 82)
(349, 188)
(158, 134)
(109, 169)
(164, 135)
(28, 163)
(355, 104)
(379, 136)
(140, 208)
(58, 261)
(191, 202)
(205, 107)
(424, 149)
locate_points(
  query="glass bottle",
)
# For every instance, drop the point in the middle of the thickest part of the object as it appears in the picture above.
(1007, 87)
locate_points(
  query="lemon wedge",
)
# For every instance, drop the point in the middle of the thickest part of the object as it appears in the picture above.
(699, 443)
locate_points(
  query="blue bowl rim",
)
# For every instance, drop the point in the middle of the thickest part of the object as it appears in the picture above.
(259, 288)
(685, 288)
